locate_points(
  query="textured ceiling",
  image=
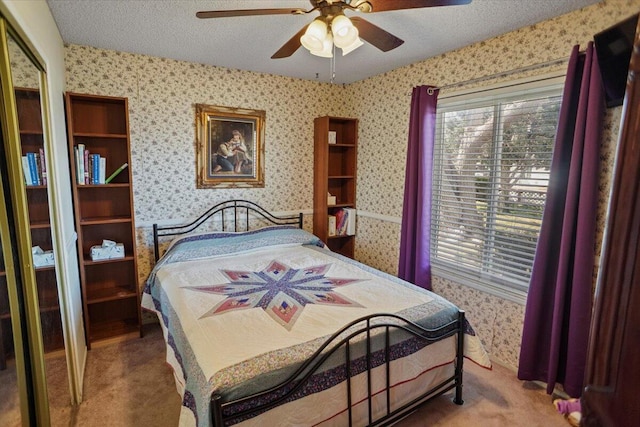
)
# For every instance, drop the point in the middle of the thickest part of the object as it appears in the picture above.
(170, 29)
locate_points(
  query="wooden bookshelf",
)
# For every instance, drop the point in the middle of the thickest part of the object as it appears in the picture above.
(110, 290)
(335, 166)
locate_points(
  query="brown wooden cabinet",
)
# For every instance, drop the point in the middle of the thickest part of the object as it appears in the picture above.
(110, 292)
(31, 138)
(335, 165)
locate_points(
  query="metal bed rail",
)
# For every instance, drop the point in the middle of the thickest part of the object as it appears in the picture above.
(287, 388)
(230, 211)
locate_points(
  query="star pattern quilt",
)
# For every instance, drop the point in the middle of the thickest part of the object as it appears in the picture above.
(241, 311)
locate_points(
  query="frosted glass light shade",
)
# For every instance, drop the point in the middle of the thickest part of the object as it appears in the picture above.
(327, 48)
(344, 33)
(313, 38)
(353, 46)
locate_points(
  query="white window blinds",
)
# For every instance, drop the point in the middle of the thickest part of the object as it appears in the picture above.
(492, 157)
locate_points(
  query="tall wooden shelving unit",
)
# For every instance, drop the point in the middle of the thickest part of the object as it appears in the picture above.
(334, 172)
(110, 292)
(31, 138)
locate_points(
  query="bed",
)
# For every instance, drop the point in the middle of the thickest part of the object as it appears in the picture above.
(266, 326)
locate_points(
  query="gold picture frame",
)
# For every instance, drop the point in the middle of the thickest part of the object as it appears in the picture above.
(230, 147)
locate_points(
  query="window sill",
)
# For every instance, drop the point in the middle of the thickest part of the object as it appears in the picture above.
(496, 289)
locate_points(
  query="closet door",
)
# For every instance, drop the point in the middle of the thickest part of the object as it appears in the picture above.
(30, 315)
(610, 396)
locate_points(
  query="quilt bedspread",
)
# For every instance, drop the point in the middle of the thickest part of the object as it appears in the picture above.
(240, 311)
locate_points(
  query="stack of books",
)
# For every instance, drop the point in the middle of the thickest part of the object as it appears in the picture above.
(91, 167)
(34, 168)
(345, 222)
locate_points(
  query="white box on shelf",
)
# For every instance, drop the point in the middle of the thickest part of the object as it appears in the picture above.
(332, 225)
(331, 200)
(42, 258)
(332, 137)
(108, 250)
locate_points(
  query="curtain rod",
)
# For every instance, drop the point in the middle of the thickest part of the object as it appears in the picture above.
(503, 74)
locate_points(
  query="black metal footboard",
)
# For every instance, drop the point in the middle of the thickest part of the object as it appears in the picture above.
(357, 338)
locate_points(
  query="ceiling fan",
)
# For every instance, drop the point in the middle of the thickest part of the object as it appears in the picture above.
(332, 27)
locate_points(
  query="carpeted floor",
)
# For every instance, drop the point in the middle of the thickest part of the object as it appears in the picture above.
(128, 384)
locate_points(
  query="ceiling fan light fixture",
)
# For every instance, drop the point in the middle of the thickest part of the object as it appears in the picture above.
(344, 32)
(315, 35)
(353, 46)
(327, 48)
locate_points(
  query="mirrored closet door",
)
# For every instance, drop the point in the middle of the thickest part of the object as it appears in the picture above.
(33, 364)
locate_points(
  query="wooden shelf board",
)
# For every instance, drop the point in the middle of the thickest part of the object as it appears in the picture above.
(104, 330)
(99, 135)
(39, 225)
(31, 132)
(88, 261)
(110, 185)
(36, 187)
(50, 308)
(110, 294)
(101, 221)
(342, 236)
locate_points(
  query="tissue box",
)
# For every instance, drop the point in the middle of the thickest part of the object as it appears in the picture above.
(331, 200)
(108, 250)
(42, 258)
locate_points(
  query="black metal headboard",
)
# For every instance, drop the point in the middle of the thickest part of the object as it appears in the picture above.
(231, 211)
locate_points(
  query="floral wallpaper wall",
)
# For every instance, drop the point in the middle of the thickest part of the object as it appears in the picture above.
(23, 72)
(382, 104)
(162, 95)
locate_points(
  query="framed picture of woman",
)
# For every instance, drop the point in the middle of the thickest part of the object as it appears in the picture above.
(230, 147)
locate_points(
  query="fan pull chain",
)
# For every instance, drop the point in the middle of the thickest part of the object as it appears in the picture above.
(333, 65)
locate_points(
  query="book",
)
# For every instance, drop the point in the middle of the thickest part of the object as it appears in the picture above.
(33, 168)
(332, 137)
(115, 173)
(26, 171)
(332, 225)
(80, 163)
(102, 170)
(95, 168)
(341, 222)
(38, 168)
(351, 222)
(86, 167)
(43, 167)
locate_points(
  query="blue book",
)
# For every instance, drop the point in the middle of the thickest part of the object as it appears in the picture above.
(95, 174)
(33, 168)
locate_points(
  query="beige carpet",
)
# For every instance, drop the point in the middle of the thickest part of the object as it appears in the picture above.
(129, 384)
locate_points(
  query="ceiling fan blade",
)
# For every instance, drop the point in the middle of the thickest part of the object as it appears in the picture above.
(246, 12)
(375, 35)
(290, 46)
(385, 5)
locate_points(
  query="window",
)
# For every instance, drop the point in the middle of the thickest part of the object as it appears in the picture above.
(492, 157)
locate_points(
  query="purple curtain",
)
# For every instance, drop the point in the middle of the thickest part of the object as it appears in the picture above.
(558, 311)
(415, 261)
